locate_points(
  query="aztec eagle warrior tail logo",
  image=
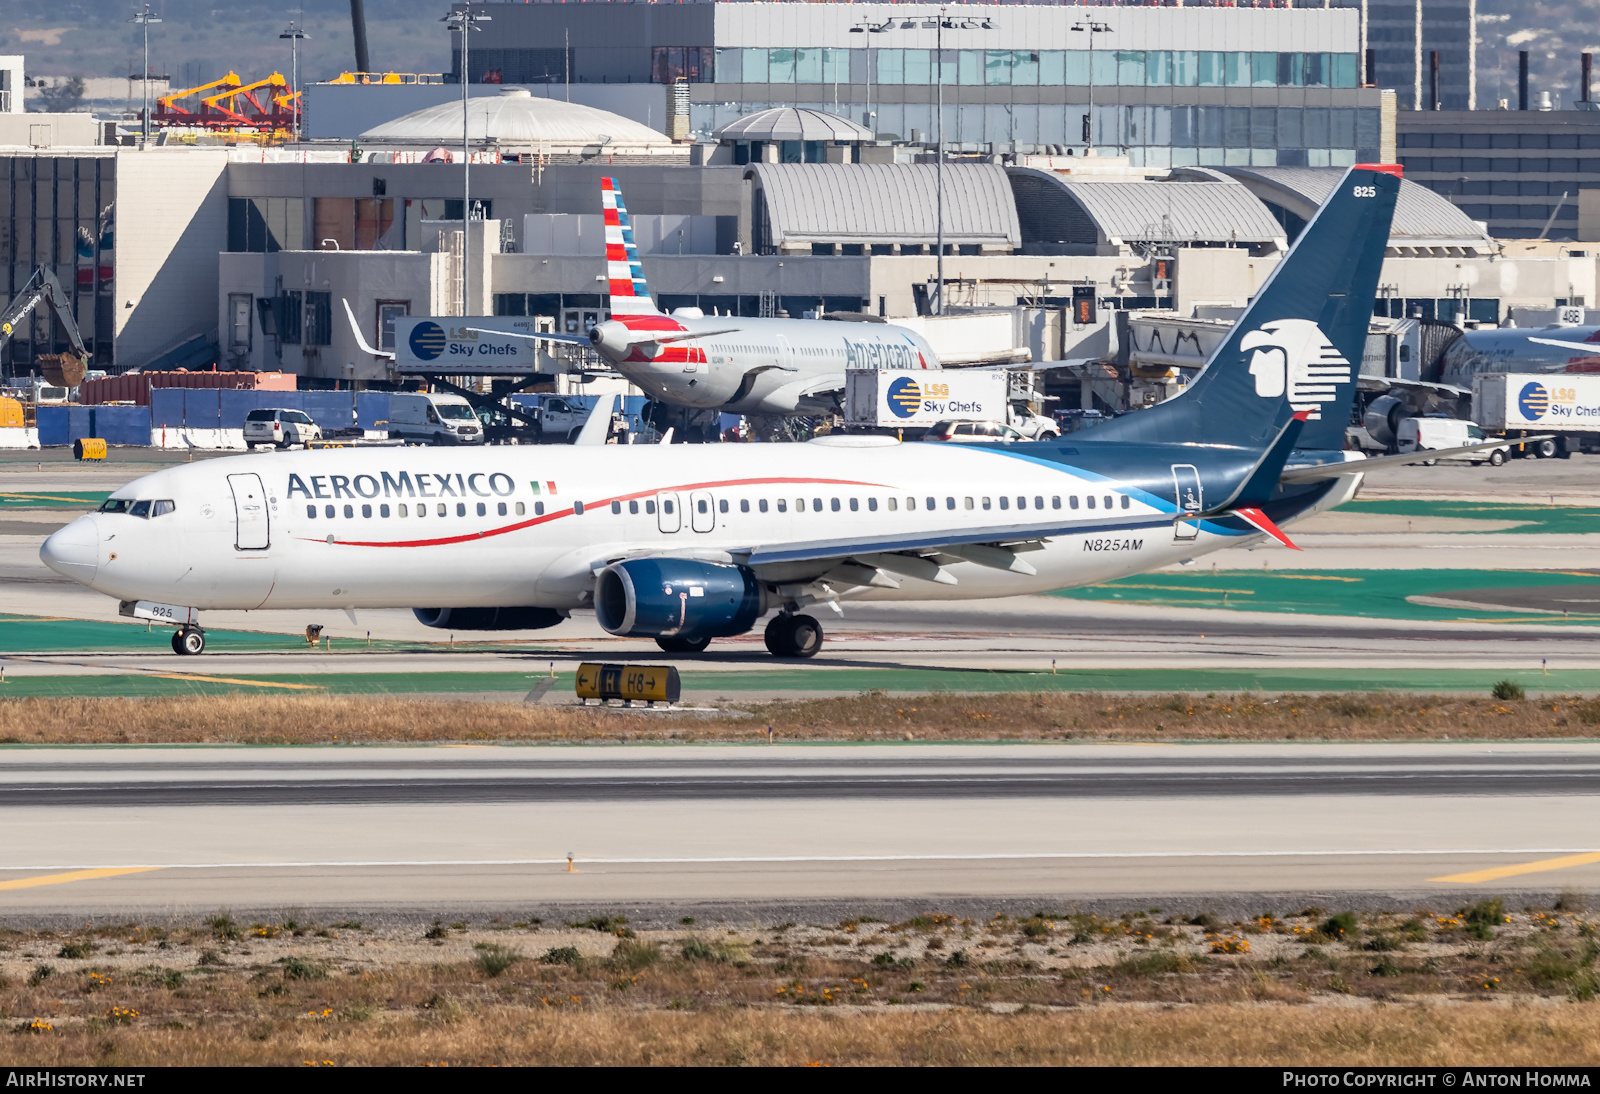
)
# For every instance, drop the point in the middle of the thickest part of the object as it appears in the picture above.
(1294, 357)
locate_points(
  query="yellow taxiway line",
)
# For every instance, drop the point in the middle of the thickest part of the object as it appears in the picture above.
(74, 875)
(1538, 867)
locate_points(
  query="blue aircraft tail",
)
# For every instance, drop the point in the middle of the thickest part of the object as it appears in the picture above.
(1298, 346)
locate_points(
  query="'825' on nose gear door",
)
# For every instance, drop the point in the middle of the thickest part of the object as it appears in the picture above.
(250, 513)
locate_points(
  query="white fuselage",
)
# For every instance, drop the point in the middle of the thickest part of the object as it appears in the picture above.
(756, 366)
(427, 527)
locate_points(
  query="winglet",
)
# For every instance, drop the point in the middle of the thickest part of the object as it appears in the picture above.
(1264, 523)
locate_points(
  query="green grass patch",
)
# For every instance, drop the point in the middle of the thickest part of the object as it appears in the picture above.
(1377, 594)
(1542, 520)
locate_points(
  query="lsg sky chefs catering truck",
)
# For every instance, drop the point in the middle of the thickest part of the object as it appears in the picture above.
(1566, 404)
(885, 400)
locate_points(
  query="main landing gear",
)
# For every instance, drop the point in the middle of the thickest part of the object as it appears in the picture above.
(793, 636)
(189, 642)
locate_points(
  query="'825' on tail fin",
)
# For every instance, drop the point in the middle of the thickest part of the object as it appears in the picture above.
(1298, 346)
(624, 273)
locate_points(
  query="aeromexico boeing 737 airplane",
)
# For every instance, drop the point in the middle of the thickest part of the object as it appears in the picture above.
(687, 543)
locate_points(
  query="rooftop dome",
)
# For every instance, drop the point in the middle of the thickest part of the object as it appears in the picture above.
(516, 120)
(788, 123)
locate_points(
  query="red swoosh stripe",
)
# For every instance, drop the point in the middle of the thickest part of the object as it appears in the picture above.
(548, 517)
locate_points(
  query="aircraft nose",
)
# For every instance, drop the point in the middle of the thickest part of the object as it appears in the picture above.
(74, 551)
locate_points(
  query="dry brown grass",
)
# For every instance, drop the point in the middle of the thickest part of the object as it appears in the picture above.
(1412, 1035)
(1407, 989)
(326, 719)
(1045, 990)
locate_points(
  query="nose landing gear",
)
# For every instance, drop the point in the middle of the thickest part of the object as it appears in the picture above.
(793, 636)
(189, 642)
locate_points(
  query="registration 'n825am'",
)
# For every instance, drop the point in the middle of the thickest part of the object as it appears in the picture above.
(1111, 543)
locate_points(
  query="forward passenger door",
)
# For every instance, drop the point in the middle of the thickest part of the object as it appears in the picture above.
(668, 517)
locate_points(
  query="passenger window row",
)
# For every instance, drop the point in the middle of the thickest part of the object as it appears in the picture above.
(402, 509)
(441, 509)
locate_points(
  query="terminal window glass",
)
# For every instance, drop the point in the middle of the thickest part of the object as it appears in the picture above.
(1104, 62)
(891, 66)
(1130, 67)
(969, 66)
(1052, 68)
(754, 67)
(1291, 70)
(997, 66)
(1024, 68)
(1263, 69)
(1076, 68)
(1185, 68)
(918, 66)
(835, 66)
(1158, 68)
(808, 66)
(1209, 69)
(266, 224)
(1236, 69)
(780, 66)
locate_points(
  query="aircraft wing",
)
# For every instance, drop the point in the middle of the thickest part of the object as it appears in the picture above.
(360, 340)
(539, 336)
(1324, 471)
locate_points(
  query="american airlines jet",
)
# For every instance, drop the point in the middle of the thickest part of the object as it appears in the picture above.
(736, 364)
(688, 543)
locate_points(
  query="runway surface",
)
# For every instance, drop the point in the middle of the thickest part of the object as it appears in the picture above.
(141, 830)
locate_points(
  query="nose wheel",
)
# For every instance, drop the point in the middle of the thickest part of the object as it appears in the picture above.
(793, 636)
(189, 642)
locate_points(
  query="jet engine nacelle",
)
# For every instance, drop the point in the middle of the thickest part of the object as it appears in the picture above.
(677, 598)
(489, 619)
(1383, 419)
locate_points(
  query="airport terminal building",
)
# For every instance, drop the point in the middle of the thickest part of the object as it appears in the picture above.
(1168, 86)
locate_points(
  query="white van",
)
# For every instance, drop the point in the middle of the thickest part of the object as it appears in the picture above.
(433, 419)
(1434, 434)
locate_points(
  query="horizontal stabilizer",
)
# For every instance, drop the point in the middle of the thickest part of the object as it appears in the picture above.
(1324, 471)
(1259, 520)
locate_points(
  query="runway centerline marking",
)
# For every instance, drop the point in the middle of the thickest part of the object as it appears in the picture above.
(75, 875)
(1498, 872)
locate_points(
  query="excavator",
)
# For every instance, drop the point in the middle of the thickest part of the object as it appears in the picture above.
(61, 369)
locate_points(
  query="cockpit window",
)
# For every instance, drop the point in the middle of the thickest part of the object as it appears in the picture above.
(161, 508)
(139, 509)
(115, 505)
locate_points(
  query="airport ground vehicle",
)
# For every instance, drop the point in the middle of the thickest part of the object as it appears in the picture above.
(433, 419)
(65, 370)
(681, 545)
(889, 401)
(973, 433)
(1435, 433)
(280, 428)
(559, 419)
(1564, 403)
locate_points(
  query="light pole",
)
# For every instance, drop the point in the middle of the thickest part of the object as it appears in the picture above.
(1093, 27)
(869, 27)
(294, 34)
(464, 20)
(144, 19)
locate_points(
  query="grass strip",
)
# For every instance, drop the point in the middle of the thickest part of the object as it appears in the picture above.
(1288, 986)
(273, 718)
(1374, 594)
